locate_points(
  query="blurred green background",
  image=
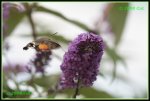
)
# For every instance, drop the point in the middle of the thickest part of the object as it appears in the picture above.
(124, 67)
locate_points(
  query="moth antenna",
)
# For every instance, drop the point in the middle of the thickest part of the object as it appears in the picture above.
(53, 34)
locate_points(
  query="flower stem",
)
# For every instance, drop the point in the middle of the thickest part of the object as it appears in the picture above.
(76, 89)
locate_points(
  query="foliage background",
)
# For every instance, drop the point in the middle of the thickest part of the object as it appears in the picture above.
(123, 68)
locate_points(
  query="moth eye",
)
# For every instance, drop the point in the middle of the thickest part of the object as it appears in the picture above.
(31, 44)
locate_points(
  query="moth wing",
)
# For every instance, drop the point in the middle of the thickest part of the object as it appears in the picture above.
(53, 45)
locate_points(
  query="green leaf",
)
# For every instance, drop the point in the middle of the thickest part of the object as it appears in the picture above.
(115, 57)
(47, 81)
(93, 93)
(101, 74)
(14, 19)
(67, 91)
(88, 92)
(5, 86)
(53, 12)
(117, 19)
(56, 37)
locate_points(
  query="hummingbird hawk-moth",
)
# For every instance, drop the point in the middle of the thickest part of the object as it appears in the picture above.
(42, 44)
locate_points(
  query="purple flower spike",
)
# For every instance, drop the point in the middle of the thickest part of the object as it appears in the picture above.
(82, 60)
(8, 6)
(6, 13)
(41, 60)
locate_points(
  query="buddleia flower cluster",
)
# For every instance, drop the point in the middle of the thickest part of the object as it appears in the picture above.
(82, 61)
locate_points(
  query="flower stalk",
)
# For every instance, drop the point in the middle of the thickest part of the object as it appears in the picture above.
(77, 89)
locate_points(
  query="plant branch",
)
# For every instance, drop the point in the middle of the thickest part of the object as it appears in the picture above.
(77, 23)
(29, 14)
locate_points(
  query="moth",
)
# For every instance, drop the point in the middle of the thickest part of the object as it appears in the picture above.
(42, 44)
